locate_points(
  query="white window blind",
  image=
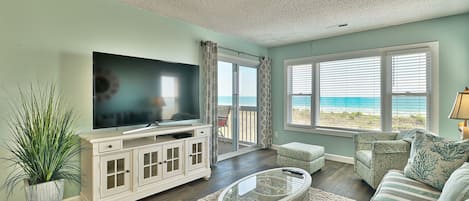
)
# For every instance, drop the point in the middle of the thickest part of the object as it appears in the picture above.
(300, 94)
(301, 78)
(409, 89)
(350, 92)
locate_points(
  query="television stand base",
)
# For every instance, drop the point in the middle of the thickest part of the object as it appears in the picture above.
(104, 150)
(158, 126)
(139, 130)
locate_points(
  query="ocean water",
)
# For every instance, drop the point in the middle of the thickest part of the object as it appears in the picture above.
(400, 104)
(243, 100)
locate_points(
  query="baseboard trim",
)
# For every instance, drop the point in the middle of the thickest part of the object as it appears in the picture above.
(331, 157)
(74, 198)
(274, 147)
(339, 158)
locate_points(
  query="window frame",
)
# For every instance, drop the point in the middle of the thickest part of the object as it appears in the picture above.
(428, 94)
(317, 87)
(386, 88)
(290, 95)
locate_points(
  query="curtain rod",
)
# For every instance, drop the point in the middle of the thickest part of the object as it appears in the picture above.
(239, 52)
(233, 50)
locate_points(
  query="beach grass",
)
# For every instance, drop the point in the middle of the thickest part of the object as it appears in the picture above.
(357, 120)
(248, 122)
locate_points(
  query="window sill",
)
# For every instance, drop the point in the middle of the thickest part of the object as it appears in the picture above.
(322, 131)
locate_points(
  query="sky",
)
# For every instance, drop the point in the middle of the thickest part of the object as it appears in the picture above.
(247, 80)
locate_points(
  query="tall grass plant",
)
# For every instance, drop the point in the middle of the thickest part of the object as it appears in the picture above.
(43, 143)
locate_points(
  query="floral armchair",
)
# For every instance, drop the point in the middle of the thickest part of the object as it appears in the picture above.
(377, 153)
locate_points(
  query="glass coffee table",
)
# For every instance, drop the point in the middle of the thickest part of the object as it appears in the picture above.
(279, 184)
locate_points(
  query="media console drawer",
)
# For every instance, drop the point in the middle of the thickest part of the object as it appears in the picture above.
(202, 131)
(110, 146)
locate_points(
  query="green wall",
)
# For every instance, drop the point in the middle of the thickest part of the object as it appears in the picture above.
(452, 34)
(45, 41)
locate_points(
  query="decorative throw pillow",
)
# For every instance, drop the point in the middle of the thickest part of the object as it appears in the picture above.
(457, 186)
(409, 135)
(434, 159)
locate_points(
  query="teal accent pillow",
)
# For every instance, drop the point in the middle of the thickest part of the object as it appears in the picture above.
(409, 135)
(457, 186)
(433, 159)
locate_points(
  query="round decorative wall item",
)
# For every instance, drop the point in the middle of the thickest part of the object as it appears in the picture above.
(106, 84)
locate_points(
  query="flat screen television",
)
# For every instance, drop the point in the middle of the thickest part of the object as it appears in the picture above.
(131, 91)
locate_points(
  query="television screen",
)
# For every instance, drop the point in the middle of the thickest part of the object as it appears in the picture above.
(134, 91)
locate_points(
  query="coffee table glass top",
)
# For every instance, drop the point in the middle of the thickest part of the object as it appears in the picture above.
(270, 185)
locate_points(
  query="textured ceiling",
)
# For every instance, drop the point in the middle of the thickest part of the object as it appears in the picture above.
(278, 22)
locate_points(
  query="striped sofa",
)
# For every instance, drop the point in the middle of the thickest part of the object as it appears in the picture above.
(396, 187)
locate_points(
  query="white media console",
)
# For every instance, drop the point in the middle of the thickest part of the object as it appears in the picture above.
(133, 166)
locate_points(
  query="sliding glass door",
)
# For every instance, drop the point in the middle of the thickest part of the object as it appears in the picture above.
(227, 142)
(237, 107)
(247, 107)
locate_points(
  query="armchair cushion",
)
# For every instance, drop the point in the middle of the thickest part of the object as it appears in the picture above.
(433, 159)
(363, 141)
(391, 146)
(364, 156)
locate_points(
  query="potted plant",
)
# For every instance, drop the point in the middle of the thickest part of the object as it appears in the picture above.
(44, 146)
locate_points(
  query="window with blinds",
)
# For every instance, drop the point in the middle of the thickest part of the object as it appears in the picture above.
(385, 89)
(409, 89)
(300, 94)
(350, 93)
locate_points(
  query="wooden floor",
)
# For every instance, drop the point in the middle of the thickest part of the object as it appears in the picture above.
(227, 147)
(335, 177)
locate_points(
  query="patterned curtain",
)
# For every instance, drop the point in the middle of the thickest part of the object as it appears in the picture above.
(265, 108)
(210, 92)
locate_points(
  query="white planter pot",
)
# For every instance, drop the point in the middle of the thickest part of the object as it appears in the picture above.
(48, 191)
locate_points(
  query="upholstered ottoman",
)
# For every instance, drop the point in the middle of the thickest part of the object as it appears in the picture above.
(305, 156)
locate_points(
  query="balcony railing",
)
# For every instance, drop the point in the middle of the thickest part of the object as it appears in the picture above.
(247, 129)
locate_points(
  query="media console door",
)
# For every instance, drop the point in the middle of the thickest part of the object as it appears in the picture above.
(197, 152)
(115, 173)
(173, 159)
(150, 165)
